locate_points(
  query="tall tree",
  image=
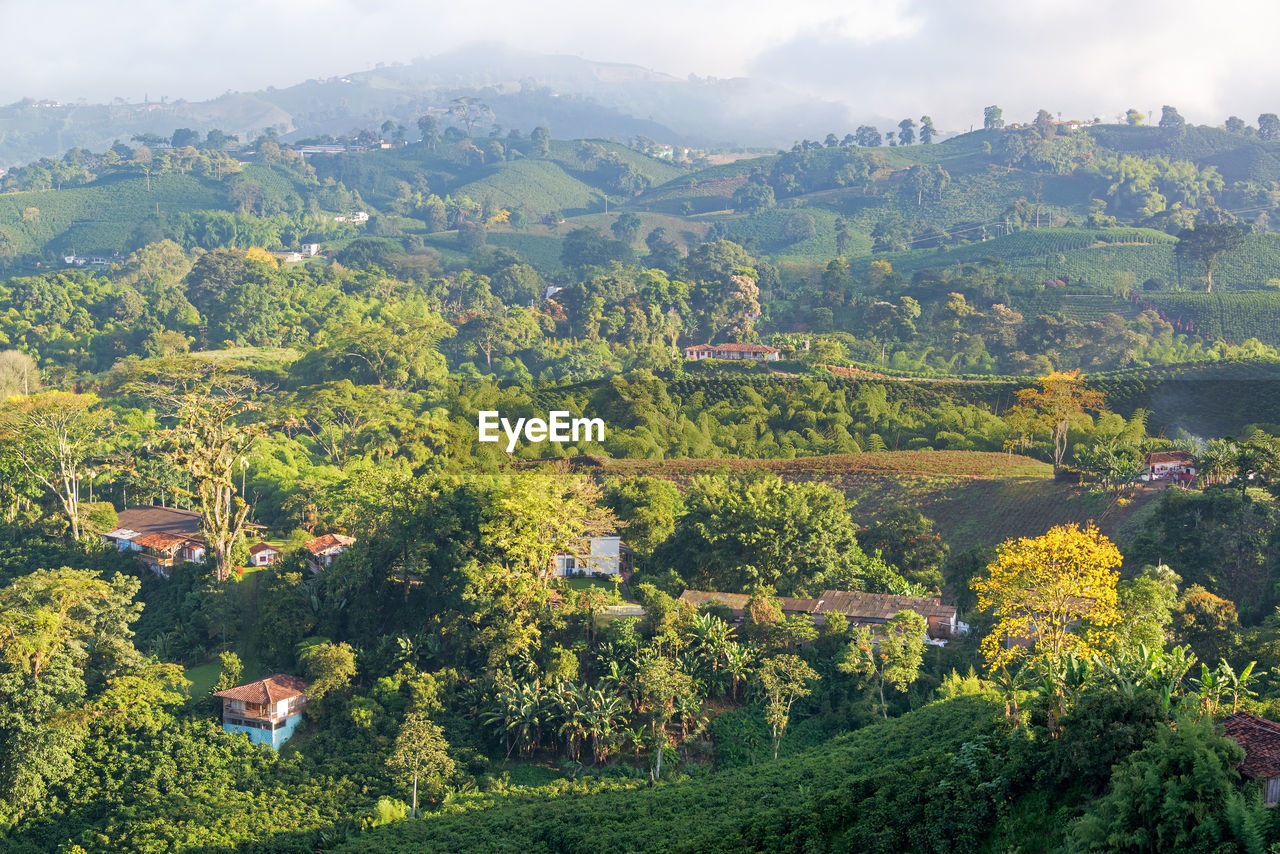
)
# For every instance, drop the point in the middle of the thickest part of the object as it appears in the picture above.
(1269, 126)
(783, 680)
(1172, 123)
(927, 131)
(992, 118)
(52, 437)
(1062, 398)
(906, 132)
(421, 752)
(1216, 232)
(208, 434)
(1050, 596)
(659, 683)
(892, 655)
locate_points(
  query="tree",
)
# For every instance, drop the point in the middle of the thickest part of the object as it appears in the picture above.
(783, 680)
(867, 136)
(541, 139)
(470, 111)
(753, 197)
(905, 539)
(906, 132)
(626, 227)
(797, 537)
(52, 437)
(1216, 232)
(1207, 623)
(893, 655)
(1172, 123)
(18, 374)
(1269, 126)
(207, 437)
(927, 131)
(659, 682)
(229, 672)
(421, 752)
(1133, 117)
(992, 118)
(330, 667)
(1178, 793)
(1235, 124)
(1061, 399)
(1050, 596)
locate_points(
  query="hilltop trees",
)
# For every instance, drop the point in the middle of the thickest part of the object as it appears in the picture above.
(992, 118)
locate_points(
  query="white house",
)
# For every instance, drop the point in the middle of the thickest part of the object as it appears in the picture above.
(751, 352)
(597, 556)
(263, 555)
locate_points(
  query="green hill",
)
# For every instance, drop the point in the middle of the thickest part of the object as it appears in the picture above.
(101, 216)
(873, 790)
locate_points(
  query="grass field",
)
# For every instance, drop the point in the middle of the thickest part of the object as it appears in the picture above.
(202, 677)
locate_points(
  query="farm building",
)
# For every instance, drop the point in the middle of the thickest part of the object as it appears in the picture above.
(263, 555)
(863, 609)
(160, 536)
(1260, 739)
(324, 550)
(268, 711)
(1170, 464)
(750, 352)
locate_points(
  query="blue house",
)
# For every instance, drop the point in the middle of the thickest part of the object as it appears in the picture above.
(268, 711)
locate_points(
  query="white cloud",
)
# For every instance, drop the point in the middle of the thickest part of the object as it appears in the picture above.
(883, 57)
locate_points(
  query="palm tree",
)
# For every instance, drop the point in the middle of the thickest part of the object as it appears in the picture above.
(605, 708)
(571, 710)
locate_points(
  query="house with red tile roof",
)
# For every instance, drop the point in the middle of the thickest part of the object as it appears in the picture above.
(263, 555)
(750, 352)
(268, 710)
(1260, 739)
(324, 550)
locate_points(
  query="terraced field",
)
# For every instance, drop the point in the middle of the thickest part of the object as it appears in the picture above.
(975, 498)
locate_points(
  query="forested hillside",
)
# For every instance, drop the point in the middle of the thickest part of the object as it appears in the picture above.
(1010, 400)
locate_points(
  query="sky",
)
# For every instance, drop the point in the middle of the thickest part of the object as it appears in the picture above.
(1081, 58)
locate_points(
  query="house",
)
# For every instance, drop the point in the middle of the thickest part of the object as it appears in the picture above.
(268, 711)
(1260, 739)
(161, 536)
(1178, 465)
(598, 556)
(750, 352)
(263, 555)
(324, 550)
(860, 609)
(311, 250)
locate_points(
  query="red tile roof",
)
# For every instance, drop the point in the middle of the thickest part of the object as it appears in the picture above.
(1260, 739)
(273, 689)
(322, 544)
(162, 542)
(262, 547)
(1170, 457)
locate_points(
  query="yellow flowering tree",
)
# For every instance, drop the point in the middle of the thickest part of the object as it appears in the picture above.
(1051, 596)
